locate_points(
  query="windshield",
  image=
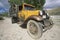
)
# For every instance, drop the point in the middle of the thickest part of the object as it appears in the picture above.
(29, 7)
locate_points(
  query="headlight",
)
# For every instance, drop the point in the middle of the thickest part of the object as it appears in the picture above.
(44, 16)
(41, 13)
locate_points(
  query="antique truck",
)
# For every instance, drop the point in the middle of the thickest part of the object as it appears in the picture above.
(36, 21)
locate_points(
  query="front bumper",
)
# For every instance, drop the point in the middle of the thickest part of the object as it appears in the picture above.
(47, 24)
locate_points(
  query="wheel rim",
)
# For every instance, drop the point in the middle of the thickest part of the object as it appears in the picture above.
(37, 32)
(33, 28)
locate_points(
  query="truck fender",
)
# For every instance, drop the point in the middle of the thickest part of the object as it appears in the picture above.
(36, 18)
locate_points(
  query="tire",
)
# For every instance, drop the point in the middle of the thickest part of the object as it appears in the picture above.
(35, 31)
(13, 21)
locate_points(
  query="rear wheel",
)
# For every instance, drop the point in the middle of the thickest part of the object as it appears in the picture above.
(14, 20)
(34, 29)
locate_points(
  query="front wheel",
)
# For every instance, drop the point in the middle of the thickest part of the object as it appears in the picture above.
(34, 29)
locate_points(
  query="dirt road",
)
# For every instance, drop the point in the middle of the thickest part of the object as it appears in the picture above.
(9, 31)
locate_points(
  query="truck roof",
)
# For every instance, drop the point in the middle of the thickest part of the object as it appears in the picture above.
(28, 4)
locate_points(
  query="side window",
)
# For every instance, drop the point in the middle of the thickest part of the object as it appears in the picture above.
(20, 8)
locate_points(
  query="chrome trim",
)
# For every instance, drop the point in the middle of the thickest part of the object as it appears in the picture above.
(49, 26)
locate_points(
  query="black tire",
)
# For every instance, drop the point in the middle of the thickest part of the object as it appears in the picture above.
(13, 21)
(37, 28)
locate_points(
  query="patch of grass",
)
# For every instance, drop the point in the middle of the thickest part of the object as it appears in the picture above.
(5, 14)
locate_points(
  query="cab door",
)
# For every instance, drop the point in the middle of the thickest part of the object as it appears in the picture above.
(21, 14)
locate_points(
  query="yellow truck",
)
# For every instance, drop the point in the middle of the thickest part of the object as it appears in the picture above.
(36, 21)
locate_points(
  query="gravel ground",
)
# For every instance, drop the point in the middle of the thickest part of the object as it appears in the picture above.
(9, 31)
